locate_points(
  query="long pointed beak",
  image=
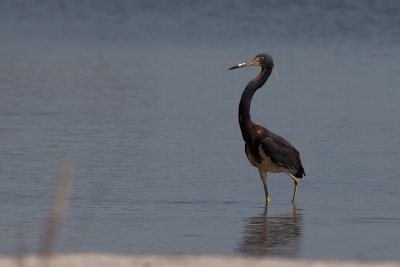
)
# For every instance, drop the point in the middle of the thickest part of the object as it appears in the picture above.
(245, 64)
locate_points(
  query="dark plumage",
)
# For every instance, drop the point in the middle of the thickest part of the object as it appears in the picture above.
(266, 150)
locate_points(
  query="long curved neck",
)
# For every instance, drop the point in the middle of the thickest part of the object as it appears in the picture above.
(245, 101)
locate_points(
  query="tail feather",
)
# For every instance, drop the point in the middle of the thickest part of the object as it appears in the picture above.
(300, 173)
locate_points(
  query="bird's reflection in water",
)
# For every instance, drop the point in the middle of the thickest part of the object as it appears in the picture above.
(273, 236)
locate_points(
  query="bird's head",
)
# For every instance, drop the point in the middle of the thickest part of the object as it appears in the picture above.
(262, 60)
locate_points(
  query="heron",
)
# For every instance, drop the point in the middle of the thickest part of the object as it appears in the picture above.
(265, 150)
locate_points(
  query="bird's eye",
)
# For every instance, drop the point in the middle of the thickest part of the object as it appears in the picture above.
(261, 58)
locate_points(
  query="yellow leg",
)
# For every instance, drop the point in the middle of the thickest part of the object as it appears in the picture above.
(263, 176)
(296, 184)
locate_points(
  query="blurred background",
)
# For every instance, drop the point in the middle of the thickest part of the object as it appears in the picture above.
(138, 94)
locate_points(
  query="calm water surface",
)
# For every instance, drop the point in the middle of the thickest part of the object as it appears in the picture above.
(151, 123)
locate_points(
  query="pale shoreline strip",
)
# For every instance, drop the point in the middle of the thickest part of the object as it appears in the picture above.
(114, 260)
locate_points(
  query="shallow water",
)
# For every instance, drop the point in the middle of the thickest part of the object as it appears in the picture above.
(151, 123)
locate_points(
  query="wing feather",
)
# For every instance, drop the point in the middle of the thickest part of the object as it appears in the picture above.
(283, 154)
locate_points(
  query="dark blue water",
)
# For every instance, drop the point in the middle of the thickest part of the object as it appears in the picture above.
(138, 94)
